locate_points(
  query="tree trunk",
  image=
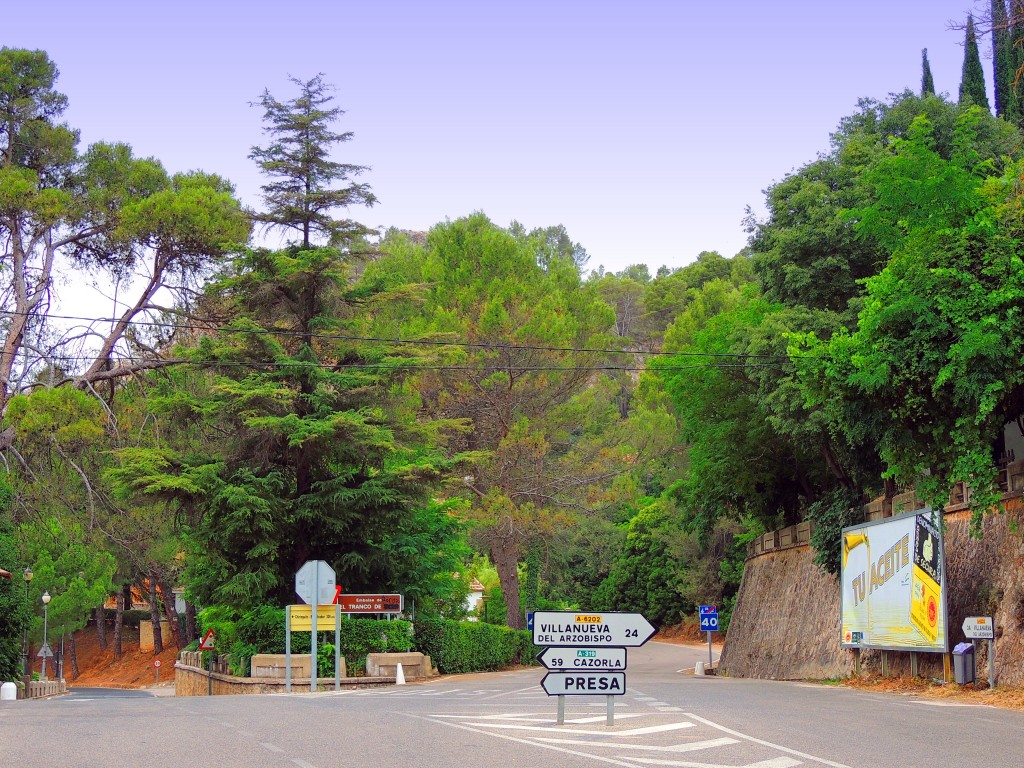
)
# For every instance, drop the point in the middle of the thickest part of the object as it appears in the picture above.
(507, 564)
(74, 657)
(171, 611)
(101, 627)
(127, 596)
(118, 625)
(154, 616)
(836, 467)
(191, 630)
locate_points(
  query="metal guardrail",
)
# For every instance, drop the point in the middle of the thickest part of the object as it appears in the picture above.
(798, 535)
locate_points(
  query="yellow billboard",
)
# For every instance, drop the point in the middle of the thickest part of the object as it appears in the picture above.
(892, 577)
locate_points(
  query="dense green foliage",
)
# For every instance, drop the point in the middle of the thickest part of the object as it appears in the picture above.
(464, 646)
(14, 608)
(262, 630)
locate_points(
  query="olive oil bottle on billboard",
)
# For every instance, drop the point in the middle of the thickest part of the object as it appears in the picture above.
(926, 585)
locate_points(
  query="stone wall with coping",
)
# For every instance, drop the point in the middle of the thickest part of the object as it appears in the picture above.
(195, 681)
(786, 623)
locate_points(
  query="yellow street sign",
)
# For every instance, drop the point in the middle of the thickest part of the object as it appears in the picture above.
(302, 618)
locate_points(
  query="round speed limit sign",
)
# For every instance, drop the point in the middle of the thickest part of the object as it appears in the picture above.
(156, 663)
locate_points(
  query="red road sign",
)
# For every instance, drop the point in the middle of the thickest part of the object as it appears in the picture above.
(370, 603)
(209, 642)
(157, 663)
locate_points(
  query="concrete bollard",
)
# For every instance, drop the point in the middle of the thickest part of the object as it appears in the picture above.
(699, 669)
(399, 675)
(8, 692)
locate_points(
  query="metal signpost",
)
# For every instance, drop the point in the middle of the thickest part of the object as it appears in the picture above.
(709, 623)
(586, 652)
(209, 643)
(983, 628)
(314, 584)
(299, 618)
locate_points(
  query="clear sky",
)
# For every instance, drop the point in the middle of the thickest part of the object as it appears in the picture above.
(645, 127)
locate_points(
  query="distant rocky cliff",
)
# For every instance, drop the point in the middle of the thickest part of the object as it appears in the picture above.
(786, 621)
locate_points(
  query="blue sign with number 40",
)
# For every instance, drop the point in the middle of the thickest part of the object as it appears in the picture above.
(709, 618)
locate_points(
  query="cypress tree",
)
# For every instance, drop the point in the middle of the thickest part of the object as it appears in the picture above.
(1002, 60)
(1015, 46)
(972, 84)
(927, 83)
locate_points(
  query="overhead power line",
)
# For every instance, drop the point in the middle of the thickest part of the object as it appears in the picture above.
(212, 363)
(420, 342)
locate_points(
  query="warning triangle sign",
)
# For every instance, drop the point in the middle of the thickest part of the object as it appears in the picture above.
(209, 642)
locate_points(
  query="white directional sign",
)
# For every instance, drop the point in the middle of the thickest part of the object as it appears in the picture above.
(590, 628)
(45, 652)
(583, 658)
(322, 574)
(979, 628)
(584, 683)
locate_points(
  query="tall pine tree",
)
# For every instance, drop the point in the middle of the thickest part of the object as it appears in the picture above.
(972, 84)
(927, 83)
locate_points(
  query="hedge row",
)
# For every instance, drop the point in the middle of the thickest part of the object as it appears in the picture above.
(261, 630)
(466, 646)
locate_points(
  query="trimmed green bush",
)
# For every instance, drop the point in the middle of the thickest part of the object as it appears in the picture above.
(261, 630)
(468, 646)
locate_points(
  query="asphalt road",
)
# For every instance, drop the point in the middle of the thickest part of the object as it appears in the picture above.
(504, 720)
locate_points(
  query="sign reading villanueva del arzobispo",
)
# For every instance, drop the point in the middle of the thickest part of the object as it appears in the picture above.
(575, 634)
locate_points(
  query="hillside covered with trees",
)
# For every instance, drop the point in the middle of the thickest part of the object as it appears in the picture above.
(478, 401)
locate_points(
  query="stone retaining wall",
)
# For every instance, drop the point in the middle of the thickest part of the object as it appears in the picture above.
(786, 621)
(194, 681)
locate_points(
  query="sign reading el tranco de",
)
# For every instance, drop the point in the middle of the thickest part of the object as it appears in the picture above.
(892, 575)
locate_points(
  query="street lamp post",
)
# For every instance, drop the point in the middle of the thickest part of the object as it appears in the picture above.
(46, 603)
(27, 575)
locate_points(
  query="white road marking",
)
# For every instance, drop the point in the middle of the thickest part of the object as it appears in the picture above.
(533, 743)
(245, 734)
(774, 762)
(270, 747)
(691, 746)
(787, 750)
(950, 704)
(549, 728)
(302, 763)
(537, 717)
